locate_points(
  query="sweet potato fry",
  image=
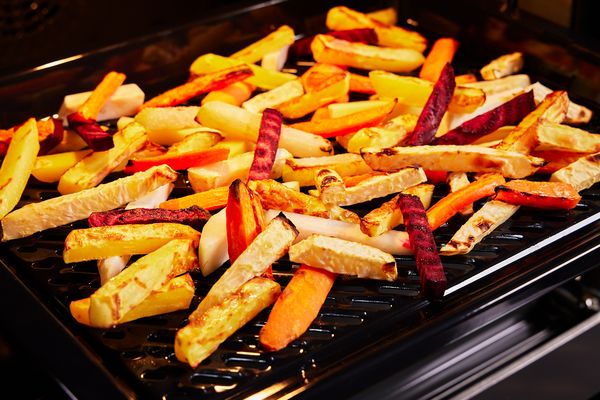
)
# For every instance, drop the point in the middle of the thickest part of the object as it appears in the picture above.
(523, 138)
(441, 53)
(202, 84)
(434, 109)
(243, 223)
(297, 307)
(429, 265)
(329, 50)
(266, 145)
(547, 195)
(509, 113)
(455, 202)
(197, 158)
(351, 123)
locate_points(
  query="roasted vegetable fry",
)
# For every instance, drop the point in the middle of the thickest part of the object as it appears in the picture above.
(493, 214)
(282, 36)
(576, 114)
(203, 84)
(237, 123)
(553, 136)
(509, 113)
(388, 35)
(524, 137)
(376, 137)
(213, 247)
(200, 140)
(501, 85)
(503, 66)
(222, 173)
(466, 158)
(434, 109)
(457, 181)
(93, 168)
(120, 295)
(361, 84)
(50, 134)
(69, 208)
(387, 16)
(193, 216)
(383, 185)
(275, 196)
(177, 294)
(297, 307)
(105, 89)
(119, 240)
(344, 257)
(51, 167)
(465, 78)
(275, 60)
(351, 123)
(92, 134)
(235, 94)
(429, 265)
(17, 165)
(275, 97)
(388, 215)
(455, 202)
(266, 145)
(163, 123)
(414, 92)
(301, 48)
(262, 78)
(303, 169)
(580, 174)
(245, 220)
(179, 161)
(209, 200)
(556, 159)
(548, 195)
(329, 50)
(330, 186)
(270, 245)
(198, 339)
(441, 53)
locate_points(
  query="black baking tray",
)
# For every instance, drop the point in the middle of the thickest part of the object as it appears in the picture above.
(365, 332)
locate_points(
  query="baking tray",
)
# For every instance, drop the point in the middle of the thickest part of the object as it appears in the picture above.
(365, 331)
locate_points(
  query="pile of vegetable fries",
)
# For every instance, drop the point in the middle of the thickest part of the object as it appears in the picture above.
(257, 145)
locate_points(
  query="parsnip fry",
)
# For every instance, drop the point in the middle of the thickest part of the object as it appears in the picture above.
(457, 181)
(198, 339)
(330, 186)
(344, 257)
(119, 240)
(131, 287)
(270, 245)
(581, 174)
(275, 97)
(553, 136)
(17, 165)
(303, 169)
(69, 208)
(576, 114)
(503, 66)
(493, 214)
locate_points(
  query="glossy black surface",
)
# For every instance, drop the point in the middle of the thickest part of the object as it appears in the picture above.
(366, 332)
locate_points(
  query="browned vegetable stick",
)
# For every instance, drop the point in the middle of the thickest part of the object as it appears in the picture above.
(105, 89)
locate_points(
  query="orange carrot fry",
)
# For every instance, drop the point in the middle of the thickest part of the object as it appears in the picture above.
(453, 203)
(235, 94)
(212, 199)
(441, 52)
(203, 84)
(548, 195)
(320, 76)
(296, 307)
(106, 88)
(361, 84)
(179, 161)
(436, 177)
(348, 123)
(321, 113)
(243, 223)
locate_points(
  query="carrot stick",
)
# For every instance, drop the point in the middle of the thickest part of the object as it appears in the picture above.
(361, 84)
(179, 161)
(106, 88)
(441, 53)
(203, 84)
(347, 124)
(209, 200)
(447, 207)
(297, 307)
(436, 177)
(321, 113)
(547, 195)
(243, 223)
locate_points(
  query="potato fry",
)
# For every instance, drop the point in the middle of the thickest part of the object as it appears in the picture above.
(51, 167)
(202, 336)
(120, 295)
(119, 240)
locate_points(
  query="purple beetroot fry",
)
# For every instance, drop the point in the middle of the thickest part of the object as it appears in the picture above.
(509, 113)
(429, 265)
(266, 145)
(89, 130)
(193, 216)
(434, 109)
